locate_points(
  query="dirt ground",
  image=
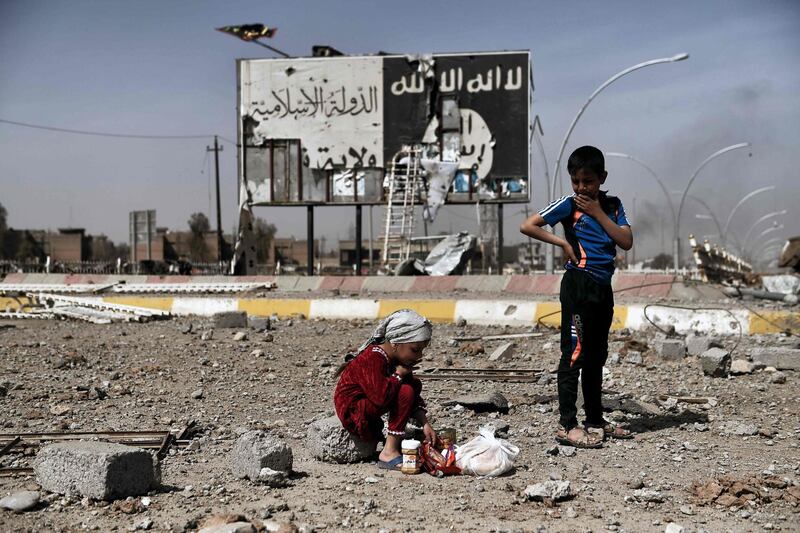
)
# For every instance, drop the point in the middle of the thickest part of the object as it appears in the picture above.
(151, 374)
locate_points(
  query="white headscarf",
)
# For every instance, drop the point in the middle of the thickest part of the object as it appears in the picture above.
(399, 327)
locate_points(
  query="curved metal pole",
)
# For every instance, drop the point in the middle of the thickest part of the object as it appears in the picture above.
(724, 235)
(655, 176)
(764, 245)
(756, 223)
(612, 79)
(691, 180)
(763, 233)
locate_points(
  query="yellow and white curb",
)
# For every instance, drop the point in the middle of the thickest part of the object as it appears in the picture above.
(480, 312)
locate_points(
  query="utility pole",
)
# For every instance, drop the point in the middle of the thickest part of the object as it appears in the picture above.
(217, 149)
(530, 241)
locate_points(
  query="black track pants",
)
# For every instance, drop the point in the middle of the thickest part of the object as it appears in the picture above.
(587, 309)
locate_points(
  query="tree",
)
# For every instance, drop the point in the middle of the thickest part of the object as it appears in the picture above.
(264, 234)
(199, 226)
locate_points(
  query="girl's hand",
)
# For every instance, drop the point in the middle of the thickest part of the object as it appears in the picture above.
(402, 371)
(430, 434)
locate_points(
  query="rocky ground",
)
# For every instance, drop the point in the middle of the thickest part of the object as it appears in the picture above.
(728, 463)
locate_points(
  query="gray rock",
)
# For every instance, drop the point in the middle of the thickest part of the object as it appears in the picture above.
(186, 329)
(481, 403)
(781, 357)
(554, 490)
(259, 323)
(742, 366)
(634, 358)
(715, 362)
(545, 378)
(273, 478)
(256, 450)
(233, 527)
(230, 319)
(461, 322)
(671, 349)
(240, 336)
(672, 527)
(566, 451)
(328, 441)
(697, 344)
(20, 501)
(648, 495)
(777, 377)
(207, 335)
(739, 429)
(100, 470)
(197, 394)
(613, 358)
(503, 352)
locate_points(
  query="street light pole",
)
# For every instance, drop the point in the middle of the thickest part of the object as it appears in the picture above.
(756, 223)
(612, 79)
(666, 195)
(724, 235)
(686, 191)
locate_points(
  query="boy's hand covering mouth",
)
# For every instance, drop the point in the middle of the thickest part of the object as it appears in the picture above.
(590, 206)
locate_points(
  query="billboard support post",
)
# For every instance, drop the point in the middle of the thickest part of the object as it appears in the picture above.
(359, 259)
(310, 240)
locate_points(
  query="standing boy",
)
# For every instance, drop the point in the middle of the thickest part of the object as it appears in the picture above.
(594, 225)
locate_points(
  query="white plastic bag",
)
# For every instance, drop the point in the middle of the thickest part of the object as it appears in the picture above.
(486, 455)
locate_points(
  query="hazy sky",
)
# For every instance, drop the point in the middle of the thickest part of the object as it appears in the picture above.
(158, 67)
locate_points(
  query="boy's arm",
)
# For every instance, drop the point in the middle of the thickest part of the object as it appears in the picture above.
(621, 235)
(532, 227)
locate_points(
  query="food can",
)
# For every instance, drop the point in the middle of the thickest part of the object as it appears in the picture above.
(447, 436)
(410, 450)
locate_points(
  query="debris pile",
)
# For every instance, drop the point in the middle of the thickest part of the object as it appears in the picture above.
(730, 491)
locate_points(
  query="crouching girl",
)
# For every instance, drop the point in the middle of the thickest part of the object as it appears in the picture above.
(380, 380)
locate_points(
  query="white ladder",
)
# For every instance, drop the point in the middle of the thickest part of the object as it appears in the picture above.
(399, 219)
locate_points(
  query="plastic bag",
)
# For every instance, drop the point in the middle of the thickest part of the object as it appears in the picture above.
(486, 455)
(438, 464)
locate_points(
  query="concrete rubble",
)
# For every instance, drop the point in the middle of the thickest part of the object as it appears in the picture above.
(230, 319)
(554, 490)
(715, 362)
(780, 357)
(329, 442)
(20, 501)
(493, 401)
(671, 349)
(503, 352)
(258, 450)
(100, 470)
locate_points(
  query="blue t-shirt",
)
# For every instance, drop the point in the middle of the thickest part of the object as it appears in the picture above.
(593, 247)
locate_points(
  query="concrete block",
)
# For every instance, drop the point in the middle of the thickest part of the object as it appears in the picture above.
(329, 442)
(672, 350)
(258, 323)
(742, 366)
(781, 357)
(697, 344)
(256, 450)
(503, 352)
(100, 470)
(715, 362)
(230, 319)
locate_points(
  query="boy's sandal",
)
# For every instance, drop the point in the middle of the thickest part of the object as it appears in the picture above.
(611, 431)
(586, 440)
(394, 464)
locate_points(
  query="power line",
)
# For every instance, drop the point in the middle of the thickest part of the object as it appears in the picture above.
(104, 134)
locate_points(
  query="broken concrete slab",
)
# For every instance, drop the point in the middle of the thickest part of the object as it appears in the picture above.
(552, 490)
(20, 501)
(715, 362)
(259, 323)
(503, 352)
(697, 344)
(240, 336)
(634, 358)
(742, 366)
(256, 450)
(329, 442)
(671, 349)
(230, 319)
(100, 470)
(481, 403)
(781, 357)
(233, 527)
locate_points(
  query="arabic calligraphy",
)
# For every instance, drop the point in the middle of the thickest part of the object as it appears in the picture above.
(356, 160)
(319, 102)
(414, 84)
(492, 80)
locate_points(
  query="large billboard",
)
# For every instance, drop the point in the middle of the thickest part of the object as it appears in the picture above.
(325, 130)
